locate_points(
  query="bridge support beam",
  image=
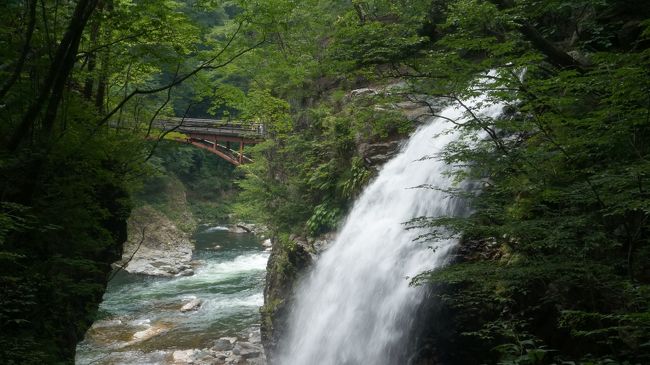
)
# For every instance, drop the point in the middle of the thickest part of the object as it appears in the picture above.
(241, 151)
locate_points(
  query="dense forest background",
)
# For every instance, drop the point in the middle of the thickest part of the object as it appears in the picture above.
(553, 263)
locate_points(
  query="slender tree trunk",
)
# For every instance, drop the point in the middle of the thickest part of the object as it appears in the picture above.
(92, 56)
(102, 82)
(554, 54)
(66, 66)
(51, 91)
(23, 56)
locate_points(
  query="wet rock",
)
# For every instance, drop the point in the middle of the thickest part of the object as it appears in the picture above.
(224, 344)
(184, 356)
(233, 360)
(378, 153)
(186, 272)
(255, 336)
(279, 291)
(323, 242)
(246, 350)
(220, 356)
(203, 357)
(238, 229)
(256, 229)
(146, 334)
(192, 305)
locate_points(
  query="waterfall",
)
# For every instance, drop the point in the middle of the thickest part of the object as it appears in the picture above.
(356, 305)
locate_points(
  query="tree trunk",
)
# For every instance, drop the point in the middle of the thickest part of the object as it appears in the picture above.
(23, 56)
(102, 83)
(52, 89)
(92, 56)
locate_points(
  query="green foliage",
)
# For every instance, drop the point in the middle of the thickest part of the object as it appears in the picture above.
(560, 226)
(324, 218)
(373, 42)
(188, 179)
(80, 83)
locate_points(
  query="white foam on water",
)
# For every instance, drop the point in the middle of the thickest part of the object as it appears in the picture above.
(356, 305)
(215, 229)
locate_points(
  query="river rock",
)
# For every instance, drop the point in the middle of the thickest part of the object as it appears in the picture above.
(224, 344)
(246, 350)
(233, 360)
(238, 229)
(147, 334)
(184, 356)
(192, 305)
(186, 272)
(220, 356)
(256, 229)
(255, 337)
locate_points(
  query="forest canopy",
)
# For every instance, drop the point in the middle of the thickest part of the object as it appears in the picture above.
(553, 261)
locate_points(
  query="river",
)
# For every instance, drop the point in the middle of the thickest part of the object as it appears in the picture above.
(140, 321)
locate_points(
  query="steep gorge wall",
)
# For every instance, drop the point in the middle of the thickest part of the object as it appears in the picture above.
(293, 255)
(58, 294)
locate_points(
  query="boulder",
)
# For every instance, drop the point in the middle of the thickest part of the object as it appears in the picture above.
(255, 337)
(146, 334)
(238, 229)
(223, 344)
(192, 305)
(256, 229)
(186, 272)
(233, 360)
(246, 350)
(184, 356)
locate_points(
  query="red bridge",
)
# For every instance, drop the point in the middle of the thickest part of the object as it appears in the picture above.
(222, 137)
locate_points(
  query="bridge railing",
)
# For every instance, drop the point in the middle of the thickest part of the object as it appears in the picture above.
(212, 126)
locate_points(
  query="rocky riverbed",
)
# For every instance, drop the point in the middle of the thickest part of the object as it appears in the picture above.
(208, 317)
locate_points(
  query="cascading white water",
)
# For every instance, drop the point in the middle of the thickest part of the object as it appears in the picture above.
(356, 305)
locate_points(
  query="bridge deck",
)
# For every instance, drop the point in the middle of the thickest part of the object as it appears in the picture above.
(207, 134)
(213, 127)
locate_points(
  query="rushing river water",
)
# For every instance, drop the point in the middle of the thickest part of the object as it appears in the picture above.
(141, 321)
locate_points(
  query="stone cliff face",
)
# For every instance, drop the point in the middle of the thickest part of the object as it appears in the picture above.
(287, 262)
(159, 232)
(156, 246)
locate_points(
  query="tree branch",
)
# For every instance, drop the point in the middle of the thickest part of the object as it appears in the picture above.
(130, 258)
(204, 66)
(162, 136)
(554, 54)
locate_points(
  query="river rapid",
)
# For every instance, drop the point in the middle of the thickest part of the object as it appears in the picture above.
(140, 318)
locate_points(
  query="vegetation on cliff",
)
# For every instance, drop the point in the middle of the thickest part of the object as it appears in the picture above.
(556, 263)
(80, 83)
